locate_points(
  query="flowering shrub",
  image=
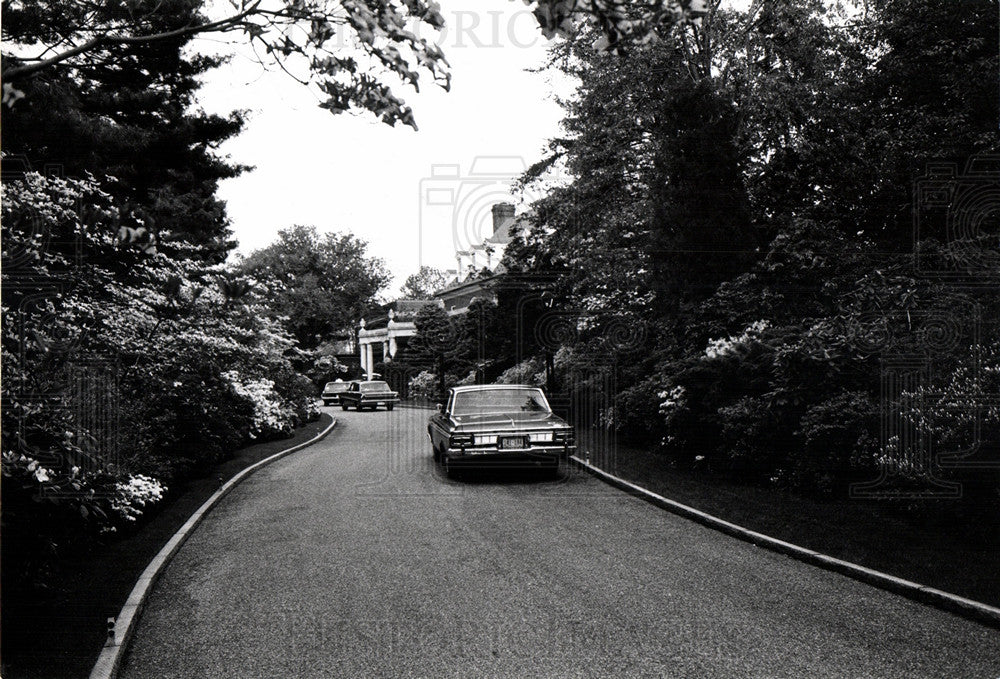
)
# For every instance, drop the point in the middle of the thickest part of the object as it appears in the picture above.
(271, 417)
(424, 385)
(470, 378)
(672, 405)
(117, 364)
(733, 345)
(135, 494)
(530, 371)
(672, 402)
(95, 497)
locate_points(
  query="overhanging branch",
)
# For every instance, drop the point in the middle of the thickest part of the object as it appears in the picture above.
(24, 70)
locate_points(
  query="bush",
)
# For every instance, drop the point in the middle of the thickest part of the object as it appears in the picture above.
(272, 418)
(297, 393)
(755, 437)
(160, 366)
(424, 385)
(529, 371)
(635, 413)
(838, 442)
(189, 418)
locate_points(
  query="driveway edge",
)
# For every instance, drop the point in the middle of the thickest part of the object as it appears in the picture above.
(952, 603)
(109, 661)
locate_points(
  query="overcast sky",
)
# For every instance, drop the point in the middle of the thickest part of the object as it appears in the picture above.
(412, 195)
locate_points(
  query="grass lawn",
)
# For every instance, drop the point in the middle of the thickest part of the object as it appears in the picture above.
(59, 631)
(937, 546)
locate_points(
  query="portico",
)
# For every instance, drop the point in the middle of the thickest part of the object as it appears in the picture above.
(378, 341)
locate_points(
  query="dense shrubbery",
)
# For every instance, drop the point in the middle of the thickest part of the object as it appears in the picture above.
(529, 371)
(123, 368)
(424, 385)
(747, 208)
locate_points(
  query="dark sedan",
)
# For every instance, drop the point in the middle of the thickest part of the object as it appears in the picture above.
(499, 425)
(369, 394)
(332, 391)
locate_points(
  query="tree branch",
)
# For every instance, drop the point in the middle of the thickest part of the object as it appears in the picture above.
(100, 40)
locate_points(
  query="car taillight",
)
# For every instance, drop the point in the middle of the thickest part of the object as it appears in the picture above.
(567, 436)
(461, 439)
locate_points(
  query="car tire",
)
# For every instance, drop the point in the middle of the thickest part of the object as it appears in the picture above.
(447, 466)
(325, 402)
(435, 453)
(343, 406)
(389, 407)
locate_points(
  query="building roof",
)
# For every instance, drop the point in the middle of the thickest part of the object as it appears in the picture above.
(400, 310)
(503, 233)
(404, 305)
(470, 281)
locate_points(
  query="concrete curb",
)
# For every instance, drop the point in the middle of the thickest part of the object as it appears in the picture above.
(966, 608)
(109, 661)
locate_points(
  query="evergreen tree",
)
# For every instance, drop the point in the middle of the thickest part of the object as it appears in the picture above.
(129, 122)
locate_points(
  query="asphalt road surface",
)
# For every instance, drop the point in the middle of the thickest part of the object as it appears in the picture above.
(356, 557)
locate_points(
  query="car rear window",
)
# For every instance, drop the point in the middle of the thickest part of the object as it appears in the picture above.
(375, 386)
(500, 401)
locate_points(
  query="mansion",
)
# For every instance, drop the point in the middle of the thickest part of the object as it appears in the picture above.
(381, 335)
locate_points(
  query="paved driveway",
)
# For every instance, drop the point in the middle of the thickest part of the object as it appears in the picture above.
(357, 558)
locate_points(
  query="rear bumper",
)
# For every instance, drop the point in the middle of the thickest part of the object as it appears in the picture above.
(389, 400)
(548, 456)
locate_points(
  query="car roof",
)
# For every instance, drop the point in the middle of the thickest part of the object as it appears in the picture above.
(491, 387)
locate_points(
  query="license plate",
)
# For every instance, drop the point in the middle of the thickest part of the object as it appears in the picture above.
(511, 442)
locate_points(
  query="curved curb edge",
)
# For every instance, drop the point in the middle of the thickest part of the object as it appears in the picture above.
(109, 661)
(966, 608)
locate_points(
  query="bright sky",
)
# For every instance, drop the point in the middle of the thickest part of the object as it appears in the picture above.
(413, 196)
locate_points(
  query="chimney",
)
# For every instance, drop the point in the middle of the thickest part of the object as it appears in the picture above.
(502, 212)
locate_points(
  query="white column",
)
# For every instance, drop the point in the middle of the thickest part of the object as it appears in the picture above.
(392, 345)
(370, 356)
(362, 355)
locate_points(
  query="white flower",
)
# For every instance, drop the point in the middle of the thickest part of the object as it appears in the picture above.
(135, 494)
(270, 415)
(42, 474)
(718, 348)
(673, 401)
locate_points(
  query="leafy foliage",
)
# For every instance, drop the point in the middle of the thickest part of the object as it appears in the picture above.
(742, 187)
(319, 284)
(133, 119)
(424, 283)
(111, 376)
(350, 51)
